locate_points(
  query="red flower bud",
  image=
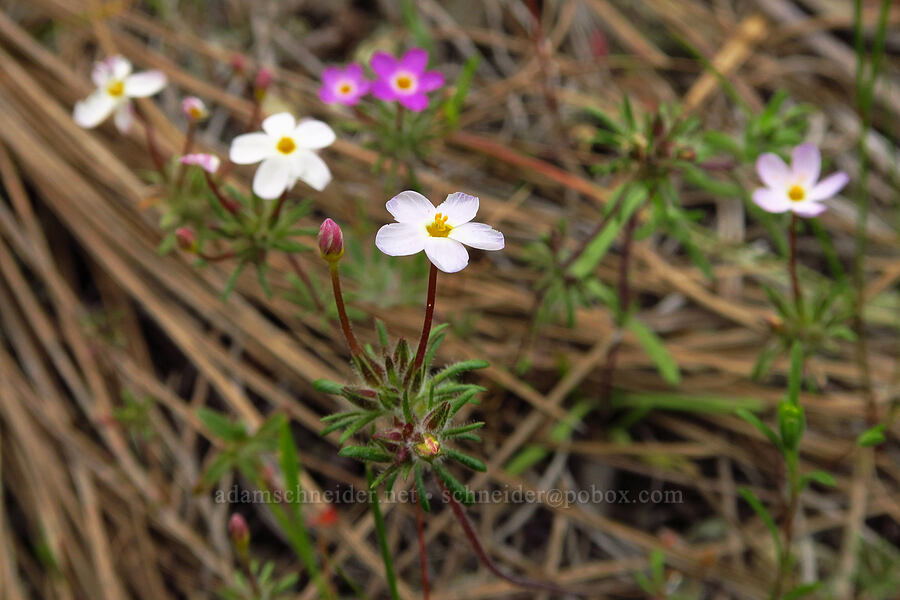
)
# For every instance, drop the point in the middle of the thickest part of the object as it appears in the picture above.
(239, 532)
(262, 82)
(186, 238)
(331, 241)
(238, 63)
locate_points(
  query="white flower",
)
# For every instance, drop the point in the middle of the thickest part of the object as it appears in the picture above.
(796, 188)
(440, 231)
(285, 148)
(116, 86)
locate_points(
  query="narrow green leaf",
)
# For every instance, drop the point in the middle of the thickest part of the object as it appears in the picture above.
(365, 453)
(459, 491)
(656, 350)
(466, 460)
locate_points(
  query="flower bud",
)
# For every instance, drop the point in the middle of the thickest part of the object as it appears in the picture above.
(429, 447)
(262, 82)
(239, 532)
(331, 241)
(791, 423)
(194, 109)
(238, 63)
(186, 238)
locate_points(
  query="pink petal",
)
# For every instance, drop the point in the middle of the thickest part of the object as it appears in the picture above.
(354, 71)
(771, 201)
(806, 163)
(809, 209)
(772, 170)
(829, 186)
(326, 94)
(330, 75)
(431, 81)
(382, 90)
(383, 64)
(415, 102)
(415, 60)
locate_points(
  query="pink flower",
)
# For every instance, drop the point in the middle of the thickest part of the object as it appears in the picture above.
(406, 80)
(796, 188)
(194, 109)
(343, 86)
(207, 162)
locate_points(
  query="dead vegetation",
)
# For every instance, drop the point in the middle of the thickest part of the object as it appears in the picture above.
(108, 349)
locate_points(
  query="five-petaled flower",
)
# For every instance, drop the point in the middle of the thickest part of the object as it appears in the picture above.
(343, 86)
(440, 231)
(194, 109)
(286, 150)
(406, 80)
(116, 86)
(796, 188)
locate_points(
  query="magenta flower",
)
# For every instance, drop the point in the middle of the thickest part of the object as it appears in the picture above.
(406, 80)
(796, 188)
(343, 86)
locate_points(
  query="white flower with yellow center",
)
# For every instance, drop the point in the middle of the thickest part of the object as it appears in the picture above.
(796, 188)
(286, 150)
(116, 86)
(442, 232)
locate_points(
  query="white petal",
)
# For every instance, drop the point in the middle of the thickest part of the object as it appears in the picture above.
(313, 134)
(447, 255)
(272, 177)
(806, 163)
(411, 207)
(773, 201)
(251, 148)
(772, 170)
(478, 235)
(459, 208)
(809, 209)
(400, 239)
(119, 66)
(279, 125)
(141, 85)
(124, 117)
(93, 110)
(308, 167)
(829, 186)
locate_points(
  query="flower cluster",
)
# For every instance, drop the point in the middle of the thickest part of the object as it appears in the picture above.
(403, 80)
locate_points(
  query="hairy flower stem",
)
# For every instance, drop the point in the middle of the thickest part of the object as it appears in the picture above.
(426, 326)
(624, 290)
(301, 274)
(792, 266)
(355, 348)
(469, 529)
(423, 556)
(150, 133)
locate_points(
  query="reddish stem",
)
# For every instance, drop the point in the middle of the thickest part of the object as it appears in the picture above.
(355, 348)
(486, 560)
(301, 274)
(217, 257)
(277, 212)
(150, 132)
(185, 150)
(228, 204)
(423, 556)
(426, 326)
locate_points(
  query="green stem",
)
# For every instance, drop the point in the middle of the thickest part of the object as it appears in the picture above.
(382, 537)
(792, 267)
(785, 560)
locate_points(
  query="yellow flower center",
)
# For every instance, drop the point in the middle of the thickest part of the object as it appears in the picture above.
(439, 228)
(116, 88)
(404, 82)
(344, 89)
(286, 145)
(196, 113)
(796, 193)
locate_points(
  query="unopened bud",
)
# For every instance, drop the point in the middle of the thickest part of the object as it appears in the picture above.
(331, 241)
(262, 82)
(791, 423)
(207, 162)
(186, 238)
(239, 532)
(194, 109)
